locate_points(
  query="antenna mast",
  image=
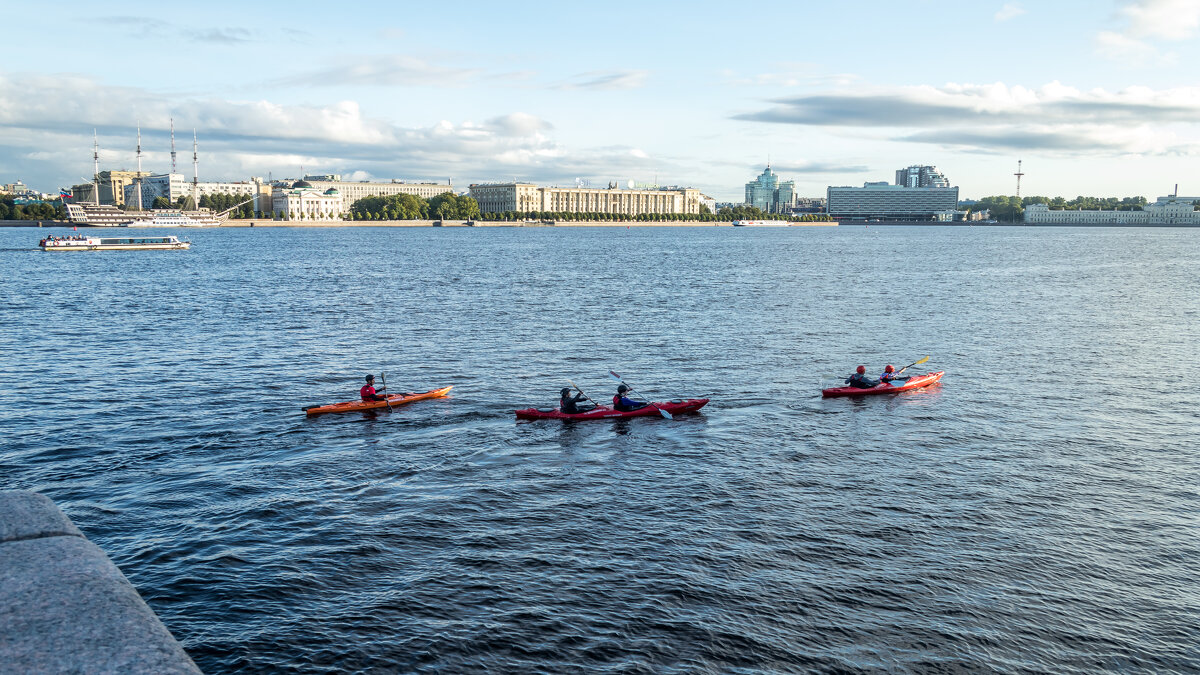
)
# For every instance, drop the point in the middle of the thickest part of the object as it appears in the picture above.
(96, 167)
(1018, 174)
(139, 166)
(172, 145)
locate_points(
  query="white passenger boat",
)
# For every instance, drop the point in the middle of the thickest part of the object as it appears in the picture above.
(761, 223)
(88, 243)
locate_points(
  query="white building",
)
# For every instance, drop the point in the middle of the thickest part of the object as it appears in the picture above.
(353, 191)
(175, 185)
(302, 201)
(892, 202)
(1165, 211)
(525, 197)
(921, 176)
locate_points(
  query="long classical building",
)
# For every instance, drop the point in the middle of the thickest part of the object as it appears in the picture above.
(353, 191)
(315, 199)
(1169, 210)
(175, 185)
(525, 197)
(892, 202)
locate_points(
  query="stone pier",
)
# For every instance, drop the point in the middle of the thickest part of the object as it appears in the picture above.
(64, 606)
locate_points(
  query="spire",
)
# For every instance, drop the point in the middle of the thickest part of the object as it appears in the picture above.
(172, 145)
(195, 173)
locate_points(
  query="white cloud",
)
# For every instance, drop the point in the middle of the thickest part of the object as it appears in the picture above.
(1054, 117)
(607, 79)
(1148, 22)
(1010, 10)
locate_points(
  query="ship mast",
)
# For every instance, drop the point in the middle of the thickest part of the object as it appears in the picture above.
(139, 166)
(195, 174)
(96, 167)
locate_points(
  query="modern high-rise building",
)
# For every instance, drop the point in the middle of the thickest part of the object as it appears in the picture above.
(892, 202)
(770, 194)
(917, 176)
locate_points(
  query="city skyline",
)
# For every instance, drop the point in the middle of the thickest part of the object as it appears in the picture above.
(1088, 95)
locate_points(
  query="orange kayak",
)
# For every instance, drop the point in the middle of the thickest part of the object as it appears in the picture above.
(393, 400)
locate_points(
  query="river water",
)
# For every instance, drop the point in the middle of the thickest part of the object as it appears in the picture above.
(1038, 511)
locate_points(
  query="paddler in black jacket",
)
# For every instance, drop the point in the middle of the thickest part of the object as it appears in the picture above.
(567, 402)
(859, 379)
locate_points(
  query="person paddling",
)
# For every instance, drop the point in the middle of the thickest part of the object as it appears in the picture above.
(859, 379)
(368, 391)
(568, 404)
(624, 404)
(890, 374)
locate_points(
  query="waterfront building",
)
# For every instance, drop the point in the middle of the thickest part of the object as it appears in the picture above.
(892, 202)
(526, 197)
(112, 186)
(917, 176)
(303, 201)
(1169, 210)
(352, 191)
(173, 186)
(770, 194)
(17, 188)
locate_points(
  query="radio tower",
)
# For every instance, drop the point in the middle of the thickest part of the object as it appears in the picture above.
(96, 167)
(1018, 174)
(172, 145)
(195, 174)
(139, 166)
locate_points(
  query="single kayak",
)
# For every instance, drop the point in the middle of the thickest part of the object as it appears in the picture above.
(393, 400)
(605, 412)
(914, 382)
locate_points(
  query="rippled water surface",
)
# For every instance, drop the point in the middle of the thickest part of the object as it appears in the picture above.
(1039, 511)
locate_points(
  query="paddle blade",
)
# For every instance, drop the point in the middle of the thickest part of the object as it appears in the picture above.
(615, 376)
(921, 361)
(665, 414)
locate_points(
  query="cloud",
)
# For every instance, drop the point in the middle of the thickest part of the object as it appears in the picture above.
(1010, 10)
(224, 36)
(46, 127)
(816, 167)
(144, 27)
(1054, 117)
(1147, 23)
(617, 79)
(388, 71)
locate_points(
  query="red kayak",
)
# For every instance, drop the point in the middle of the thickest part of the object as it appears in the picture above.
(914, 382)
(607, 412)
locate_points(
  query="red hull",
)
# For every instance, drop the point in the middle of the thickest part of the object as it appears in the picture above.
(606, 412)
(915, 382)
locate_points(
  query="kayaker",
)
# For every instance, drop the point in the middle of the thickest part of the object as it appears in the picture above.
(568, 403)
(625, 404)
(368, 391)
(890, 374)
(859, 379)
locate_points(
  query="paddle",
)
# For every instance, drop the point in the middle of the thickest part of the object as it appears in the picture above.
(584, 395)
(386, 398)
(915, 363)
(662, 412)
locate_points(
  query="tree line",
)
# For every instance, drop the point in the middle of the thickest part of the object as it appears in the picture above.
(1005, 208)
(11, 210)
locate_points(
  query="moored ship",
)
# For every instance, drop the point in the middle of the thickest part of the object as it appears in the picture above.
(761, 223)
(85, 243)
(107, 215)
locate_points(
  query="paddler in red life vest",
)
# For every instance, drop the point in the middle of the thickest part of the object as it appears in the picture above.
(859, 379)
(625, 404)
(368, 391)
(890, 374)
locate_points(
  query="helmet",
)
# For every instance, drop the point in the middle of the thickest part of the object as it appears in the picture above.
(564, 392)
(622, 389)
(890, 369)
(860, 370)
(370, 378)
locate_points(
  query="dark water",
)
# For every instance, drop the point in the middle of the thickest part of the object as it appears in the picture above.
(1037, 512)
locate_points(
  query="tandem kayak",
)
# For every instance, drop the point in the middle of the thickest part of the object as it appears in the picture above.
(914, 382)
(607, 412)
(393, 400)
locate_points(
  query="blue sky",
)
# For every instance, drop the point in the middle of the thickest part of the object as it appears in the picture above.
(1096, 97)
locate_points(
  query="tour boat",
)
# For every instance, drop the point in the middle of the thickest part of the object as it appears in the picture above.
(88, 243)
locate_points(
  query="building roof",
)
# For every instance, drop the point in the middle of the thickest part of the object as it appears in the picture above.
(301, 184)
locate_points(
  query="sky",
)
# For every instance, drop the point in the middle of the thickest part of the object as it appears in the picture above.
(1095, 97)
